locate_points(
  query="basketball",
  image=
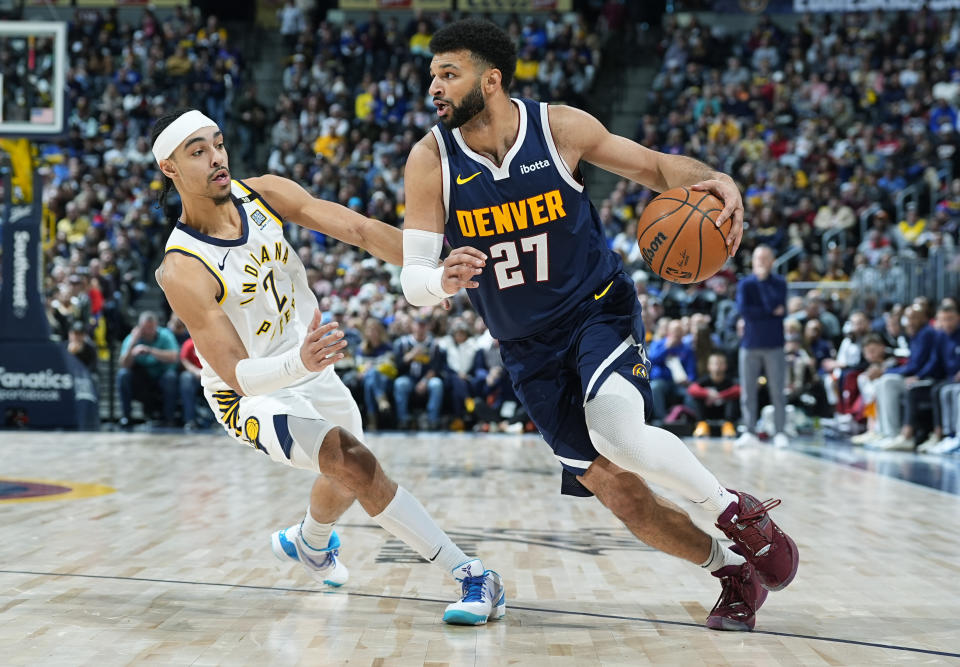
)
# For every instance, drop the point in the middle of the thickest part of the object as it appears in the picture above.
(678, 237)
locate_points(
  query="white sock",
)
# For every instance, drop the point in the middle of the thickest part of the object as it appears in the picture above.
(617, 429)
(315, 534)
(716, 503)
(721, 557)
(406, 519)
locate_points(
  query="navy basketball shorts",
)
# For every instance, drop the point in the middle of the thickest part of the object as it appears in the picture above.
(556, 372)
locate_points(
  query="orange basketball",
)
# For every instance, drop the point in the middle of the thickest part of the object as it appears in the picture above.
(678, 236)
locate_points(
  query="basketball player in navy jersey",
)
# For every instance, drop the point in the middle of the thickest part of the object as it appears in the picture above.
(500, 178)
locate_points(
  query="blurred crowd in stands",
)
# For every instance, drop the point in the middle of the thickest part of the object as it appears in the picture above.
(819, 124)
(105, 231)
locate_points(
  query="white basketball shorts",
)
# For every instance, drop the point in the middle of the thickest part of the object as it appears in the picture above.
(261, 421)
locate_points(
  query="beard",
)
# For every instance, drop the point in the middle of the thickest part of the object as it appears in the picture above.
(471, 105)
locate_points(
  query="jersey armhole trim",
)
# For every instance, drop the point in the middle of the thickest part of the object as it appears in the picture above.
(259, 197)
(444, 171)
(562, 167)
(206, 264)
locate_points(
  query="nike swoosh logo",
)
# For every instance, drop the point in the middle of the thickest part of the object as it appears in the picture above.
(439, 549)
(597, 297)
(223, 263)
(461, 180)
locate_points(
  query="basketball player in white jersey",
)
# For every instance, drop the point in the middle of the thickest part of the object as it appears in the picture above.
(238, 285)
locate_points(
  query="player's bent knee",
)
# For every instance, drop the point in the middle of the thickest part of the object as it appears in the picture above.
(346, 459)
(615, 422)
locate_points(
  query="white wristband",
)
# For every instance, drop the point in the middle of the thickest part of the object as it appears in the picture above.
(421, 278)
(268, 374)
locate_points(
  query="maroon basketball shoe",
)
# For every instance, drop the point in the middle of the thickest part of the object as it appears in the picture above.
(739, 601)
(769, 549)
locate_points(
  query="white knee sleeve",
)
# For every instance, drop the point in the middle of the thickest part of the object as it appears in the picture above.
(619, 432)
(309, 434)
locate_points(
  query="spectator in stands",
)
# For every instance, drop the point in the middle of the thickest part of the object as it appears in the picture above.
(942, 396)
(461, 375)
(81, 347)
(702, 340)
(251, 130)
(872, 367)
(71, 305)
(848, 356)
(292, 23)
(420, 365)
(834, 215)
(376, 369)
(893, 332)
(802, 384)
(804, 271)
(761, 300)
(178, 329)
(877, 243)
(819, 349)
(149, 357)
(909, 229)
(673, 366)
(850, 351)
(896, 431)
(190, 388)
(715, 396)
(420, 41)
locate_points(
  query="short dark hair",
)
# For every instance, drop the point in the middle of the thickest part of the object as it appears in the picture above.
(162, 123)
(947, 307)
(484, 39)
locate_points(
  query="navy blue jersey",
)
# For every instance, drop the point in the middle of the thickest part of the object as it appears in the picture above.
(546, 251)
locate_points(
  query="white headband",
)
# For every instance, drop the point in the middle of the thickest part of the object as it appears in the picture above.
(174, 134)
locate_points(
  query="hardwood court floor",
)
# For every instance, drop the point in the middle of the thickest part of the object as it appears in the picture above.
(174, 567)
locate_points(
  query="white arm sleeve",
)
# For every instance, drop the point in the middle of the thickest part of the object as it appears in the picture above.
(268, 374)
(421, 278)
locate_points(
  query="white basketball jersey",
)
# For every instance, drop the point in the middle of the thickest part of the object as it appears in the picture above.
(263, 284)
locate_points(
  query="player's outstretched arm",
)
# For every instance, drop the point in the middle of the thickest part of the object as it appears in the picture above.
(294, 203)
(193, 293)
(580, 136)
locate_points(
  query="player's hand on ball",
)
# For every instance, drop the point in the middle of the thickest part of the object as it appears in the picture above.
(728, 192)
(460, 267)
(322, 344)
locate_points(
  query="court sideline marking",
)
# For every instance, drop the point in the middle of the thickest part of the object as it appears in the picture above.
(563, 612)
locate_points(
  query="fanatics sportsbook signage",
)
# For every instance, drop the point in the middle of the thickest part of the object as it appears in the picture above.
(41, 384)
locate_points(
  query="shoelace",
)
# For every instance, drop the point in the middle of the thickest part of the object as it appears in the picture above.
(473, 588)
(732, 594)
(755, 539)
(329, 560)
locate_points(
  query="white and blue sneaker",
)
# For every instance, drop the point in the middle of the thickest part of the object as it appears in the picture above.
(322, 564)
(483, 596)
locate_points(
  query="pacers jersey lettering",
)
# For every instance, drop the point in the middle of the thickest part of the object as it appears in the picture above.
(543, 238)
(263, 284)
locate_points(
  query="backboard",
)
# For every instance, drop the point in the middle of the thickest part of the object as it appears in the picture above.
(32, 72)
